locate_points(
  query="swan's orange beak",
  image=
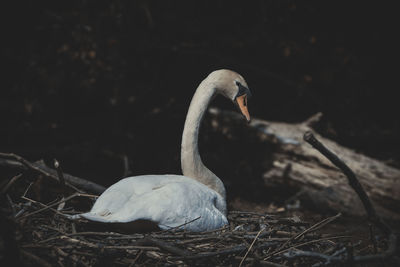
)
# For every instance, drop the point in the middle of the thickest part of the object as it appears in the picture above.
(242, 103)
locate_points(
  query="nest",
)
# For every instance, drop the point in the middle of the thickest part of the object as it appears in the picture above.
(39, 234)
(47, 237)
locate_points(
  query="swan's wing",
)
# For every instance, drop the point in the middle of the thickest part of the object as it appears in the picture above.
(169, 200)
(120, 195)
(187, 203)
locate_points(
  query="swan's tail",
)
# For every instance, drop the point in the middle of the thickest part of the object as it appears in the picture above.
(89, 216)
(136, 226)
(74, 217)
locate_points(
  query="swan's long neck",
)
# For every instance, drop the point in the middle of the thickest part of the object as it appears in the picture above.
(191, 163)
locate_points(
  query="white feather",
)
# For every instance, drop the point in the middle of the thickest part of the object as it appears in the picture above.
(169, 200)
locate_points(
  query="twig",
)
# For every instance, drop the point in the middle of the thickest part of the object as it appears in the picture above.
(54, 204)
(10, 183)
(45, 207)
(27, 189)
(250, 213)
(318, 225)
(228, 251)
(313, 119)
(304, 244)
(176, 227)
(136, 258)
(127, 169)
(258, 262)
(36, 259)
(372, 237)
(11, 205)
(81, 234)
(295, 253)
(251, 245)
(335, 258)
(163, 245)
(312, 228)
(92, 245)
(232, 250)
(59, 172)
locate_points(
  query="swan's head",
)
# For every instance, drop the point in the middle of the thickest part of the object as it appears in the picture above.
(233, 86)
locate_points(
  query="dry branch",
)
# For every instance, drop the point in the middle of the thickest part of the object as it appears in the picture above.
(358, 188)
(17, 162)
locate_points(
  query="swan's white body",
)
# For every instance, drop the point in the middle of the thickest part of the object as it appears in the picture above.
(196, 201)
(169, 200)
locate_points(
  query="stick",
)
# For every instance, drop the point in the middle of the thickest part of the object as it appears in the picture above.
(357, 187)
(292, 254)
(127, 169)
(303, 244)
(36, 259)
(352, 179)
(10, 183)
(59, 172)
(54, 204)
(232, 250)
(98, 246)
(318, 225)
(251, 245)
(163, 245)
(310, 229)
(176, 227)
(18, 162)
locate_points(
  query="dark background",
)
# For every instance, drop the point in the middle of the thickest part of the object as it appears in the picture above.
(92, 82)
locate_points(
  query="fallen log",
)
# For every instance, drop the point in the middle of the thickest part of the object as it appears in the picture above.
(297, 165)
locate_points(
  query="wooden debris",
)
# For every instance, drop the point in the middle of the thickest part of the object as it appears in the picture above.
(296, 164)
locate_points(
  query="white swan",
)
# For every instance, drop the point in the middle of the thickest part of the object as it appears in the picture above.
(195, 201)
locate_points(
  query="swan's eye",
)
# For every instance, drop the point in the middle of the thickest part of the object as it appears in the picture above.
(242, 89)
